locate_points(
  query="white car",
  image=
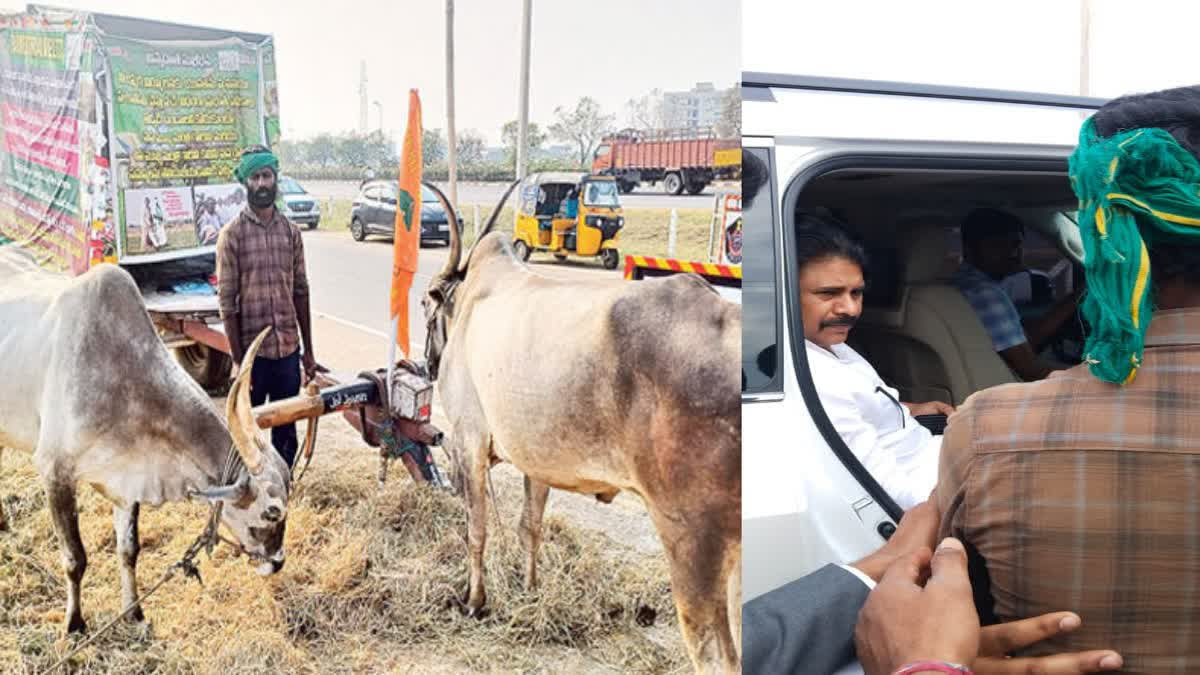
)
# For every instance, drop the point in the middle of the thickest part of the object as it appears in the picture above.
(901, 164)
(299, 206)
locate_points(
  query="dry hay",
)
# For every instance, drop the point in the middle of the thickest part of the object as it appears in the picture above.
(371, 584)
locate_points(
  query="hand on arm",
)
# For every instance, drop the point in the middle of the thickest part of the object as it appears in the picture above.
(905, 621)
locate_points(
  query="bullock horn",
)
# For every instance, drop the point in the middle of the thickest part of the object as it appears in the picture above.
(455, 235)
(241, 419)
(495, 214)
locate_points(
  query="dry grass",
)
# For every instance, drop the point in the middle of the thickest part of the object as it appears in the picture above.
(371, 585)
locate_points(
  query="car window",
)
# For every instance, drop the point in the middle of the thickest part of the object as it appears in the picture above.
(760, 327)
(289, 186)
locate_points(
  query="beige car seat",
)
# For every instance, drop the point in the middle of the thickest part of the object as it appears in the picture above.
(928, 342)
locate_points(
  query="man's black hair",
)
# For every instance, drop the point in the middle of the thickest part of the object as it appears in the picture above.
(754, 178)
(1176, 111)
(820, 236)
(984, 223)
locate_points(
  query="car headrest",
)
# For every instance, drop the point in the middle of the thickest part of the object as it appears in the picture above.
(924, 250)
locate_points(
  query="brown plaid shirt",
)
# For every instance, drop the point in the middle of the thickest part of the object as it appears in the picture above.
(260, 274)
(1085, 496)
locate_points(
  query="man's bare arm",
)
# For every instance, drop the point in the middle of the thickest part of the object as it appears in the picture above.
(1025, 363)
(1040, 330)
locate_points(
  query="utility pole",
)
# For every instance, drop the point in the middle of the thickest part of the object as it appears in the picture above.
(523, 115)
(452, 137)
(1085, 46)
(362, 98)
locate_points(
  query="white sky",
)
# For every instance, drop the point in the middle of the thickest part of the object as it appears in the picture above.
(611, 51)
(1029, 45)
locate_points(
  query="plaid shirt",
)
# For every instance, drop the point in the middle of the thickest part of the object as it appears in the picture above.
(260, 275)
(993, 306)
(1085, 496)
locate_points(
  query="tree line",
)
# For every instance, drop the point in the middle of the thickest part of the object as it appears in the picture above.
(353, 155)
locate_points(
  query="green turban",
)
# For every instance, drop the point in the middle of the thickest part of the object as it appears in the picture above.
(253, 161)
(1135, 187)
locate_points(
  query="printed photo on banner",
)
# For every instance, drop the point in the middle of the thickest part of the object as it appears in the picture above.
(159, 219)
(216, 205)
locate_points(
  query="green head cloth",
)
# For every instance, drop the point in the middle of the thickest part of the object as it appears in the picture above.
(253, 161)
(1135, 187)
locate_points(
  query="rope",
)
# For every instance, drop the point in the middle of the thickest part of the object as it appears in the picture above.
(189, 569)
(206, 541)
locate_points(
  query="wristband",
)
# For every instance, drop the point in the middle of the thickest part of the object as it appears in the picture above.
(932, 667)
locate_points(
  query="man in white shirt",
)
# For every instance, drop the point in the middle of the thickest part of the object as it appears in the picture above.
(878, 428)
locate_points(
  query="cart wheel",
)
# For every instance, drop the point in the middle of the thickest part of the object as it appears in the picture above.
(207, 366)
(610, 257)
(560, 257)
(521, 249)
(357, 230)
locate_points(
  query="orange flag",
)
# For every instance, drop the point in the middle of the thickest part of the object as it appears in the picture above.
(408, 221)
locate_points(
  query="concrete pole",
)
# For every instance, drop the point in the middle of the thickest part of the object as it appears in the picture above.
(452, 136)
(1085, 46)
(671, 234)
(523, 94)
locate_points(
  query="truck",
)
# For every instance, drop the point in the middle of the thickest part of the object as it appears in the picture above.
(683, 159)
(118, 138)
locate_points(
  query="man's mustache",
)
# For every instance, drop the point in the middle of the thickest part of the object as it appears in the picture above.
(848, 320)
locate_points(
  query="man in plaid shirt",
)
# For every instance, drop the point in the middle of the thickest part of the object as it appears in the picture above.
(262, 282)
(1083, 490)
(992, 250)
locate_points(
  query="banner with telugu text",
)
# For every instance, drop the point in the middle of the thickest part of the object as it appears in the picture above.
(182, 113)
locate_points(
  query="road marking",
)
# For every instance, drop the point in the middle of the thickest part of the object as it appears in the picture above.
(351, 324)
(412, 346)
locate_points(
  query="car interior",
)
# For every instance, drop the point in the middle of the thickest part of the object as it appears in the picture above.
(917, 329)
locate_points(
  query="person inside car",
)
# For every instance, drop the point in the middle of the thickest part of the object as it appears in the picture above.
(879, 429)
(992, 244)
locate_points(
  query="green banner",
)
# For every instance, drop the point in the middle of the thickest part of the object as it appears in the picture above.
(183, 112)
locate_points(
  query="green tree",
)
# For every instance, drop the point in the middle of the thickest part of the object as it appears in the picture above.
(471, 146)
(433, 146)
(730, 123)
(535, 138)
(584, 126)
(323, 150)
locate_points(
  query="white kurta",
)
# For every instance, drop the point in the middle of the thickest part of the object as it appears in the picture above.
(901, 454)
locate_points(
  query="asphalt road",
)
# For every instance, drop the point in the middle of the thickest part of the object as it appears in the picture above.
(487, 194)
(350, 281)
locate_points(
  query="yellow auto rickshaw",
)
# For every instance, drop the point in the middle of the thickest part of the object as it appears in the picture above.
(569, 213)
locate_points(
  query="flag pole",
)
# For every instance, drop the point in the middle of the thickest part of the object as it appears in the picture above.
(391, 362)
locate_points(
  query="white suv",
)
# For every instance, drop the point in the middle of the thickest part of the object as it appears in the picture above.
(901, 164)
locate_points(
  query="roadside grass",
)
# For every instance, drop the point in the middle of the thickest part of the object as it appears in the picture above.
(646, 230)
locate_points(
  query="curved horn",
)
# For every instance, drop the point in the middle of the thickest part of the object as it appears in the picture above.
(237, 409)
(455, 235)
(495, 214)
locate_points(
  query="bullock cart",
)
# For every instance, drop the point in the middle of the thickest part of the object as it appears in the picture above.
(394, 419)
